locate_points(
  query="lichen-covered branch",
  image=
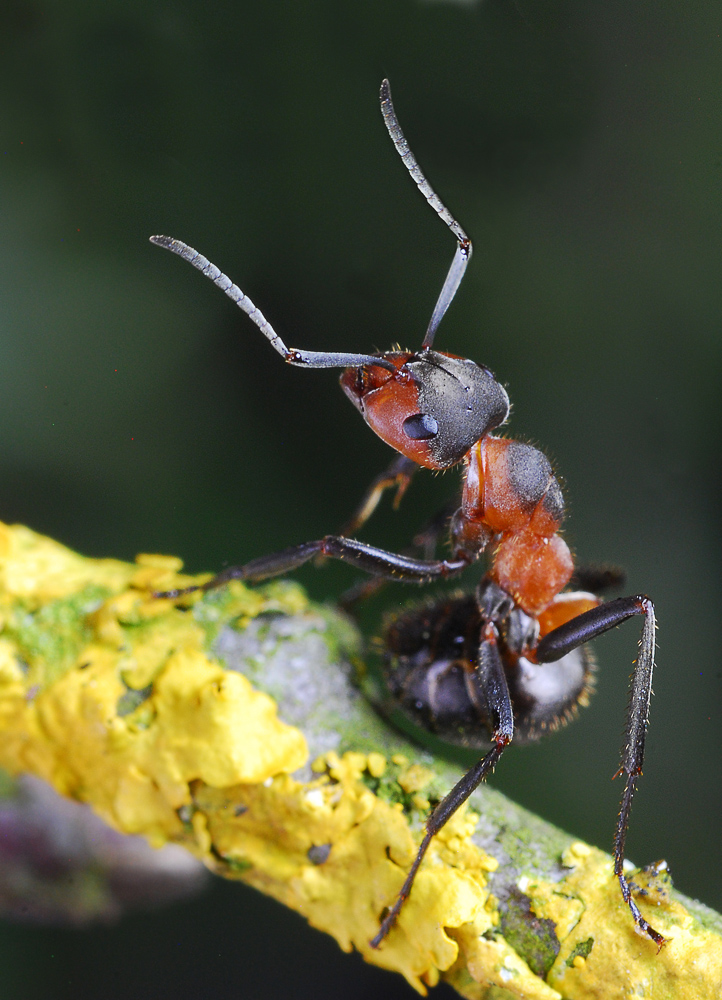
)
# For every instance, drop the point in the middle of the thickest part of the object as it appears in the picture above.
(231, 726)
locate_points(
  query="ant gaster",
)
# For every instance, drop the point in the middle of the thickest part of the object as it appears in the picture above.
(512, 658)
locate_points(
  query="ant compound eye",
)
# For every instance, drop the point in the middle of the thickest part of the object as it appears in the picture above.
(420, 427)
(459, 402)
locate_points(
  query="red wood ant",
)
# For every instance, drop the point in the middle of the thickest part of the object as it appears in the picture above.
(511, 660)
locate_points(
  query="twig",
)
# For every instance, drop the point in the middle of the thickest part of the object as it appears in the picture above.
(233, 726)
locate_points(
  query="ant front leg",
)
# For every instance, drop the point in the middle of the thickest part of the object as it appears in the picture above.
(399, 473)
(378, 562)
(575, 633)
(494, 703)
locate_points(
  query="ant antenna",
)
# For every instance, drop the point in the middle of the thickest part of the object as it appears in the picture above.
(305, 359)
(463, 250)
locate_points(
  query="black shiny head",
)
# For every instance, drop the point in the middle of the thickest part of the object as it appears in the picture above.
(432, 408)
(461, 399)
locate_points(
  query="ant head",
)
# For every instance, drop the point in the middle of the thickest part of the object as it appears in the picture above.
(432, 409)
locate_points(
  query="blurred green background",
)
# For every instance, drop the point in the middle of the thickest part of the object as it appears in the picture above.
(580, 145)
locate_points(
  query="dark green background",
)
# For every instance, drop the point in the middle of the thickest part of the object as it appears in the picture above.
(580, 145)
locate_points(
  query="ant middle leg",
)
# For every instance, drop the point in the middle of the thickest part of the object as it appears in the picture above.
(492, 694)
(424, 544)
(575, 633)
(372, 560)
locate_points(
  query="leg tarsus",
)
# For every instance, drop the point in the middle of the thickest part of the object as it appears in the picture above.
(391, 917)
(639, 920)
(257, 569)
(441, 814)
(619, 841)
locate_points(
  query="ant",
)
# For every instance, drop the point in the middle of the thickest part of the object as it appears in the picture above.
(511, 660)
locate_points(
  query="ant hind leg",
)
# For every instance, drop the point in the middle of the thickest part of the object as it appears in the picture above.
(575, 633)
(493, 694)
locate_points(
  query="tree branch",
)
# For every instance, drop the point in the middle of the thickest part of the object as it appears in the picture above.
(232, 726)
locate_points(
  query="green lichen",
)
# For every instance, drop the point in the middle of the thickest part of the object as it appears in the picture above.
(532, 937)
(49, 639)
(132, 700)
(581, 950)
(342, 637)
(499, 993)
(392, 787)
(8, 786)
(387, 788)
(237, 866)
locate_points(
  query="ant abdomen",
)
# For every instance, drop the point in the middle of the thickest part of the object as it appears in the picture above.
(431, 653)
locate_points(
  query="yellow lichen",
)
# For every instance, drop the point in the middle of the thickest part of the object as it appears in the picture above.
(592, 918)
(415, 778)
(486, 965)
(267, 842)
(198, 722)
(376, 764)
(39, 569)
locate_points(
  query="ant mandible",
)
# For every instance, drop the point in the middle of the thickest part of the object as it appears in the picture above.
(522, 667)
